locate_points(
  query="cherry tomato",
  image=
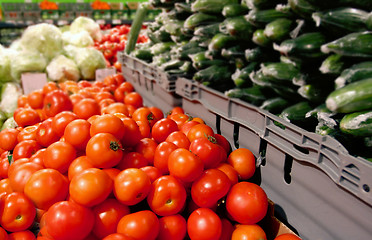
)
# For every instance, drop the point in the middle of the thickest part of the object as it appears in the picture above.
(61, 120)
(204, 224)
(210, 187)
(17, 212)
(107, 216)
(172, 227)
(131, 186)
(90, 187)
(55, 102)
(246, 203)
(69, 220)
(46, 187)
(243, 161)
(77, 133)
(208, 151)
(59, 156)
(8, 138)
(161, 155)
(251, 232)
(162, 128)
(104, 150)
(139, 225)
(185, 165)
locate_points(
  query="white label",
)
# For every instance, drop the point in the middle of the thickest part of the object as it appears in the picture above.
(28, 1)
(79, 1)
(33, 81)
(104, 72)
(100, 21)
(116, 21)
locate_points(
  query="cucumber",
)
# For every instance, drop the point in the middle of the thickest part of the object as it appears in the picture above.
(342, 21)
(207, 30)
(235, 9)
(198, 19)
(214, 75)
(162, 47)
(173, 64)
(354, 73)
(356, 96)
(282, 72)
(200, 61)
(260, 18)
(278, 29)
(357, 123)
(296, 114)
(241, 76)
(275, 105)
(233, 52)
(262, 4)
(143, 54)
(260, 38)
(220, 41)
(357, 44)
(259, 54)
(303, 8)
(136, 27)
(237, 27)
(211, 6)
(315, 93)
(333, 64)
(173, 27)
(253, 95)
(306, 45)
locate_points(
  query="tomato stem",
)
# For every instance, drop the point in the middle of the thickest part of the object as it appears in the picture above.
(115, 146)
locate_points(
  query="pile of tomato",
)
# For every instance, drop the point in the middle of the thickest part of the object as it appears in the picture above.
(114, 40)
(89, 160)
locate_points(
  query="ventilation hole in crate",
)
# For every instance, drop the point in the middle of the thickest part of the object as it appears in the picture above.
(301, 149)
(218, 124)
(236, 135)
(262, 151)
(288, 169)
(366, 188)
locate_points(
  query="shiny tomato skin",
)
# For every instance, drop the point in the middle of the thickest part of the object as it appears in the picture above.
(162, 152)
(210, 187)
(230, 172)
(55, 102)
(117, 236)
(251, 232)
(35, 99)
(59, 156)
(77, 166)
(140, 225)
(25, 149)
(28, 133)
(167, 196)
(243, 161)
(26, 117)
(8, 138)
(204, 224)
(185, 165)
(108, 123)
(17, 212)
(146, 147)
(61, 120)
(107, 216)
(21, 174)
(132, 133)
(179, 139)
(246, 203)
(90, 187)
(200, 130)
(5, 186)
(45, 134)
(287, 236)
(208, 151)
(172, 227)
(22, 235)
(162, 129)
(134, 99)
(77, 133)
(69, 220)
(132, 160)
(151, 171)
(86, 108)
(3, 234)
(46, 187)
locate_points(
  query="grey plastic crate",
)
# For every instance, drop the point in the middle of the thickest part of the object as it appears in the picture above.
(317, 187)
(66, 11)
(156, 89)
(83, 9)
(31, 12)
(12, 11)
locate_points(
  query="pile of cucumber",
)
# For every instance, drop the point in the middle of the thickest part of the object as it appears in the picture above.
(307, 61)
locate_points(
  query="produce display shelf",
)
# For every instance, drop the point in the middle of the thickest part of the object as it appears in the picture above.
(319, 189)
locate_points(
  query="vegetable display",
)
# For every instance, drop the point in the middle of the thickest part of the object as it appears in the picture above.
(280, 52)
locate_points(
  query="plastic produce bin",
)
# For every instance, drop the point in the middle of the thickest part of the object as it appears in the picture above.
(83, 9)
(317, 187)
(66, 11)
(156, 87)
(31, 12)
(12, 11)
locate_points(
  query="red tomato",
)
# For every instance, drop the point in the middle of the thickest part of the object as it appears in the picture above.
(175, 110)
(35, 99)
(185, 165)
(204, 224)
(5, 186)
(161, 155)
(208, 151)
(107, 216)
(179, 139)
(25, 149)
(200, 130)
(162, 129)
(116, 107)
(22, 235)
(132, 160)
(246, 203)
(249, 232)
(4, 167)
(38, 157)
(3, 234)
(78, 165)
(46, 187)
(61, 120)
(180, 119)
(28, 133)
(146, 147)
(185, 128)
(90, 187)
(287, 236)
(17, 212)
(117, 236)
(59, 156)
(45, 134)
(139, 225)
(77, 133)
(8, 138)
(230, 172)
(132, 133)
(108, 123)
(144, 114)
(134, 99)
(86, 108)
(55, 102)
(227, 229)
(26, 117)
(123, 89)
(210, 187)
(152, 172)
(156, 112)
(69, 220)
(104, 150)
(222, 141)
(172, 227)
(145, 129)
(243, 161)
(17, 163)
(167, 196)
(22, 101)
(131, 186)
(21, 174)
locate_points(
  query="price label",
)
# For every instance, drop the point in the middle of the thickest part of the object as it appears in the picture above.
(116, 21)
(33, 81)
(104, 72)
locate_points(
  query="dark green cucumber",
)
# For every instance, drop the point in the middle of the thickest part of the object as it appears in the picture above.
(363, 4)
(278, 29)
(315, 93)
(356, 96)
(354, 73)
(199, 18)
(213, 74)
(220, 41)
(261, 39)
(253, 95)
(172, 64)
(357, 44)
(136, 27)
(333, 64)
(200, 61)
(173, 27)
(160, 59)
(306, 45)
(211, 6)
(342, 20)
(262, 4)
(260, 18)
(303, 8)
(183, 7)
(296, 114)
(241, 76)
(275, 105)
(143, 54)
(207, 30)
(357, 123)
(233, 10)
(282, 72)
(237, 27)
(159, 48)
(233, 52)
(159, 35)
(260, 54)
